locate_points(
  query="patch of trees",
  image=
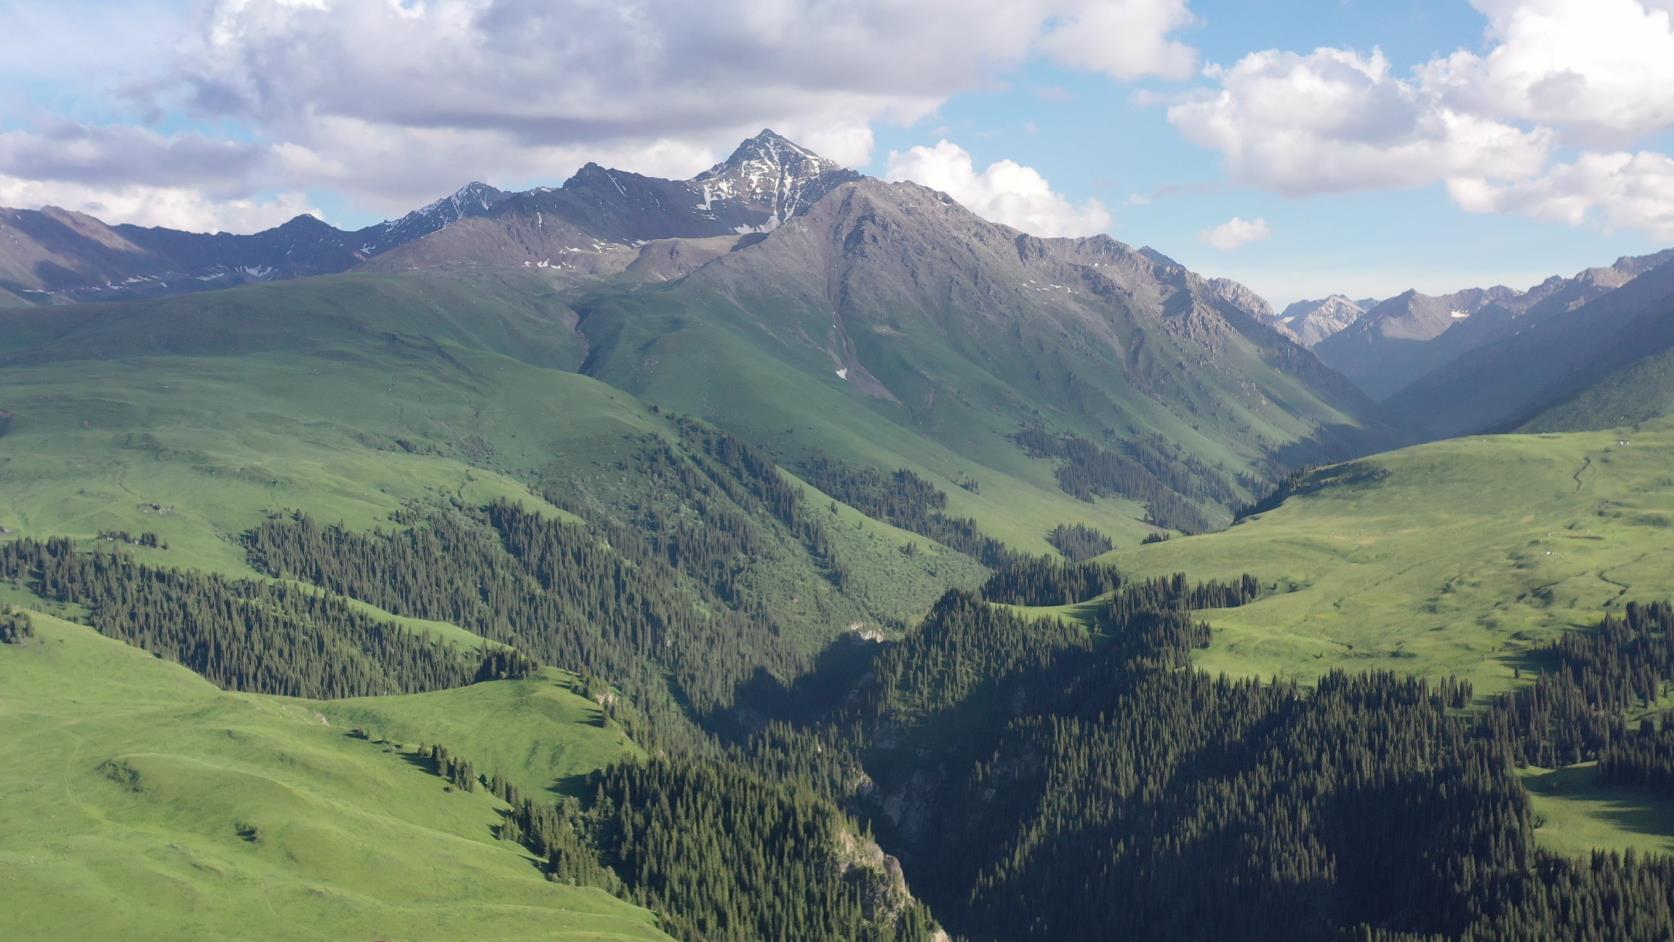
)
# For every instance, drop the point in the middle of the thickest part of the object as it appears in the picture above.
(903, 499)
(1042, 580)
(722, 854)
(15, 626)
(1310, 479)
(1573, 712)
(1170, 492)
(1281, 492)
(146, 539)
(243, 634)
(1644, 759)
(1079, 542)
(727, 856)
(597, 598)
(751, 476)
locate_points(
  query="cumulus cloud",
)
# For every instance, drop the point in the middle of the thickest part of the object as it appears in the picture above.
(392, 102)
(1235, 233)
(1126, 39)
(105, 156)
(514, 89)
(1534, 123)
(175, 207)
(1005, 192)
(1601, 69)
(1613, 190)
(1336, 120)
(141, 176)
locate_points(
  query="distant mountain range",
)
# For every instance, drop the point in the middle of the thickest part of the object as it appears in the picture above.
(1483, 358)
(53, 255)
(796, 302)
(1309, 322)
(1089, 336)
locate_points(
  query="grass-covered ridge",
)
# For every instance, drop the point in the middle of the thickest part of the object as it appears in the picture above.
(1448, 558)
(143, 803)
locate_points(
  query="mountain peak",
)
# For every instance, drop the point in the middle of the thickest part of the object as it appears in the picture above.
(771, 148)
(473, 197)
(772, 172)
(304, 222)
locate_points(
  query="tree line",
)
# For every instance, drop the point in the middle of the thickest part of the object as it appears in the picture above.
(906, 500)
(1079, 542)
(1171, 491)
(245, 634)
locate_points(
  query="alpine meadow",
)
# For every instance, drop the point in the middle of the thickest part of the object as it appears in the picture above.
(787, 498)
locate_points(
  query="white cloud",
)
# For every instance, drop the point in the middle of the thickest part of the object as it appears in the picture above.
(497, 87)
(172, 206)
(1613, 190)
(1499, 126)
(1236, 233)
(1335, 120)
(1005, 192)
(393, 102)
(1126, 39)
(1601, 69)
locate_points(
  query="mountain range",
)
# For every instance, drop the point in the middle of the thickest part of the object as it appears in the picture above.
(862, 300)
(1467, 361)
(53, 255)
(784, 553)
(1131, 324)
(1309, 322)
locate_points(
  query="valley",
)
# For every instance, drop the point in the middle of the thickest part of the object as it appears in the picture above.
(786, 553)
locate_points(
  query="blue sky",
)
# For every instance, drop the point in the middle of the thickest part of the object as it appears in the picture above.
(1301, 146)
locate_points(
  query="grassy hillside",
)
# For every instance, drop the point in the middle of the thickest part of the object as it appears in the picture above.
(194, 416)
(1447, 558)
(1575, 814)
(350, 397)
(1642, 392)
(890, 328)
(143, 803)
(505, 727)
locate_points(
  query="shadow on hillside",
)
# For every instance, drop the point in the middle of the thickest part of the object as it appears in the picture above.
(1635, 810)
(1337, 443)
(812, 694)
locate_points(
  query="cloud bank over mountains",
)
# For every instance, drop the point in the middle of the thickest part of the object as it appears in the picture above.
(240, 110)
(390, 101)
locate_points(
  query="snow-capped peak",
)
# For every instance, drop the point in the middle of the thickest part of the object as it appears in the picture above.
(771, 172)
(473, 197)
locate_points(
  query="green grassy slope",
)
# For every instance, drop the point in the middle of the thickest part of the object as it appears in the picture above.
(348, 396)
(1447, 558)
(1576, 815)
(506, 727)
(1642, 392)
(193, 417)
(888, 328)
(670, 350)
(143, 803)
